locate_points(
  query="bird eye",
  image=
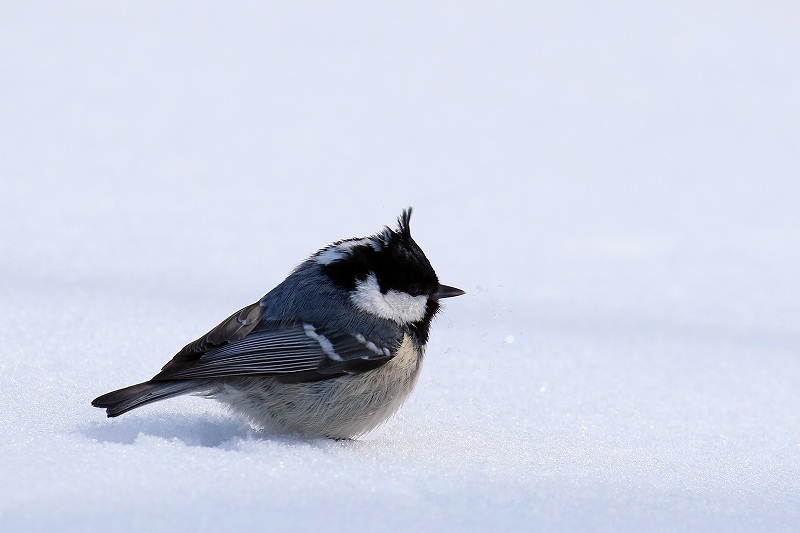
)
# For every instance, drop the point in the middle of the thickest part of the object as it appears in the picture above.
(414, 289)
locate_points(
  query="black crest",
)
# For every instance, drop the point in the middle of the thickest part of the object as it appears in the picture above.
(404, 223)
(403, 233)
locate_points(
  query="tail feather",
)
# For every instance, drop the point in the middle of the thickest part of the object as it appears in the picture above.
(123, 400)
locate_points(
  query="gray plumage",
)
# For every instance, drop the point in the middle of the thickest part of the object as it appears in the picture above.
(332, 351)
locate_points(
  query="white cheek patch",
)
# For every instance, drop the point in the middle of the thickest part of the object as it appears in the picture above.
(343, 249)
(398, 306)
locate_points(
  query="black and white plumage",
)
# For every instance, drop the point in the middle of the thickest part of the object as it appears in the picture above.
(332, 351)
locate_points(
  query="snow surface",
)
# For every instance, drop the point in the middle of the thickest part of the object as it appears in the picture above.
(615, 187)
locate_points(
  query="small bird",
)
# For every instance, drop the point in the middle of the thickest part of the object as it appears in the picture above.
(332, 351)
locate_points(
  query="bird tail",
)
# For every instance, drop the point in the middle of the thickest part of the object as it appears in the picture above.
(123, 400)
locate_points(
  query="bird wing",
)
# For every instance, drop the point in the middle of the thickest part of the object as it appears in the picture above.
(234, 328)
(293, 351)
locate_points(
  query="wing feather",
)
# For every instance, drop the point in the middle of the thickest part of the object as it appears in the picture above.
(235, 327)
(293, 351)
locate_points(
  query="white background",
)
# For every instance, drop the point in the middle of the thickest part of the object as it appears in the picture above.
(615, 185)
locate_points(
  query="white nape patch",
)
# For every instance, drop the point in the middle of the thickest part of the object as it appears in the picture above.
(334, 252)
(371, 346)
(398, 306)
(324, 343)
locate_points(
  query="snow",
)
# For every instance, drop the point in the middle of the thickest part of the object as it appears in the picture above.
(615, 187)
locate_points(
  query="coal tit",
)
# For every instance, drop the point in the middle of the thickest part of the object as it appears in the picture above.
(332, 351)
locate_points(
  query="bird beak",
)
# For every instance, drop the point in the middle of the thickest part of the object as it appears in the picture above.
(447, 292)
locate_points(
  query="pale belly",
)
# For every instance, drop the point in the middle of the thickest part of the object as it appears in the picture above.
(343, 407)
